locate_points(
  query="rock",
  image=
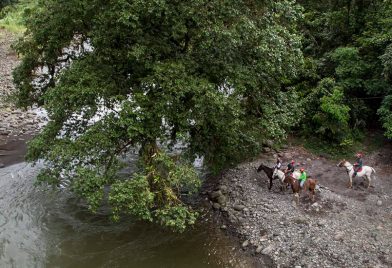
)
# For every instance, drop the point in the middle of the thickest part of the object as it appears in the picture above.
(339, 236)
(2, 165)
(264, 238)
(300, 220)
(266, 149)
(267, 250)
(308, 159)
(321, 223)
(239, 207)
(223, 189)
(222, 200)
(214, 195)
(223, 227)
(268, 143)
(245, 243)
(258, 249)
(216, 206)
(379, 203)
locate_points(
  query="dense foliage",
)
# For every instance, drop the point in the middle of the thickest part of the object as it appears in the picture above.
(347, 48)
(116, 75)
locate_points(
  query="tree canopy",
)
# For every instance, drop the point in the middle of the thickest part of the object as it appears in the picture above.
(117, 75)
(347, 46)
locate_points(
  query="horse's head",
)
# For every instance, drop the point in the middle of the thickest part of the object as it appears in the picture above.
(341, 163)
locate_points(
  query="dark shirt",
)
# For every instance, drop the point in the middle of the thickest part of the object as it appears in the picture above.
(359, 163)
(290, 167)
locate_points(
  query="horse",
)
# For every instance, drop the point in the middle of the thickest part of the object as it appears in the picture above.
(281, 175)
(310, 184)
(366, 171)
(269, 172)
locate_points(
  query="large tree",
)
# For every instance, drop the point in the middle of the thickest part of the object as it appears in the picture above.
(207, 74)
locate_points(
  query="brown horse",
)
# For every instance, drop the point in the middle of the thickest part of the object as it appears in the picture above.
(310, 184)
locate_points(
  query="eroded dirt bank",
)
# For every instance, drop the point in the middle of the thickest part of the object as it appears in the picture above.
(342, 228)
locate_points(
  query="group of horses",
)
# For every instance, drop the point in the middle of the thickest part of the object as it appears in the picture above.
(291, 179)
(310, 184)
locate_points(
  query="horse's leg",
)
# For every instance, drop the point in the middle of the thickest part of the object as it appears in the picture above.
(297, 198)
(350, 182)
(369, 180)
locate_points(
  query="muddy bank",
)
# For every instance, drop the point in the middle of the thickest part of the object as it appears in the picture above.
(342, 228)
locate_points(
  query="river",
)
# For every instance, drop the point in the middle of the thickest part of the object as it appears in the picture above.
(51, 228)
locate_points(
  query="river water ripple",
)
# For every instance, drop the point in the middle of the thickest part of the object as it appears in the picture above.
(51, 228)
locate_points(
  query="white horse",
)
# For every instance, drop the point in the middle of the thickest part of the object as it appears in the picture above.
(281, 176)
(365, 172)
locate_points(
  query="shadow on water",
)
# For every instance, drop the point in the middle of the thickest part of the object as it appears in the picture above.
(45, 228)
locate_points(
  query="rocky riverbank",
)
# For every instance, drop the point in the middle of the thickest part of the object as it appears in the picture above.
(342, 228)
(16, 125)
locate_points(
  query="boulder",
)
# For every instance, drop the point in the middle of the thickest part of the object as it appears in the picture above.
(223, 189)
(222, 200)
(238, 207)
(214, 195)
(268, 250)
(268, 143)
(216, 206)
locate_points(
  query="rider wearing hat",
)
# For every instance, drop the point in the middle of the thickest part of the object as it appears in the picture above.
(358, 164)
(302, 177)
(290, 167)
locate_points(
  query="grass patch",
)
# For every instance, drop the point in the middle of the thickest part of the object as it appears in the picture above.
(12, 16)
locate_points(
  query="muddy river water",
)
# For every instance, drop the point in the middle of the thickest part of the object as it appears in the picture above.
(51, 228)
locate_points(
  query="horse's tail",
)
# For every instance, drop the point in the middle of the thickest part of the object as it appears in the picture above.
(374, 173)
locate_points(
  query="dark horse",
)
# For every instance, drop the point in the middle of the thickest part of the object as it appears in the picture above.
(269, 171)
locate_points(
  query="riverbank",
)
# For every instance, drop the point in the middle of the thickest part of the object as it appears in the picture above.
(342, 228)
(16, 126)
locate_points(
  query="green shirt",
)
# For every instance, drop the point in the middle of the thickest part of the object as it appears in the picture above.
(302, 177)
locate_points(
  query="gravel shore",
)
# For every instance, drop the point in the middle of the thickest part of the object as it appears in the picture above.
(342, 228)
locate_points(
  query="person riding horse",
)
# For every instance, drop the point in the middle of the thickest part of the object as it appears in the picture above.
(302, 177)
(278, 164)
(290, 168)
(358, 164)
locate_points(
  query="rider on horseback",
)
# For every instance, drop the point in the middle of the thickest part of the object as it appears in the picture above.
(358, 164)
(290, 167)
(302, 177)
(278, 164)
